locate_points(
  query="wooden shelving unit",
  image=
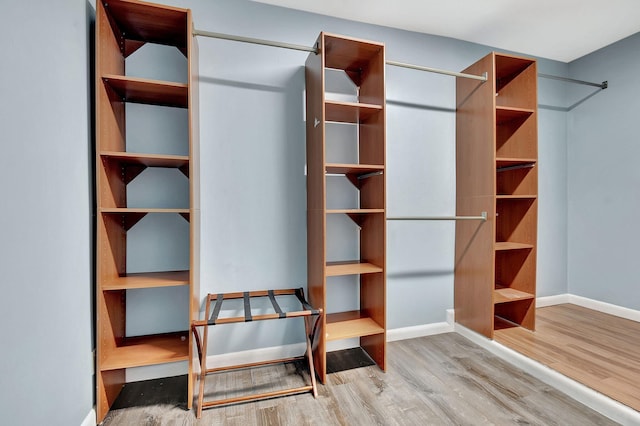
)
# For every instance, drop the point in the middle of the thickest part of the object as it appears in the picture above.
(497, 156)
(123, 27)
(363, 62)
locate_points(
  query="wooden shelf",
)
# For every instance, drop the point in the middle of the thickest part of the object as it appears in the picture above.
(129, 210)
(353, 169)
(334, 269)
(121, 28)
(131, 216)
(516, 197)
(354, 211)
(346, 325)
(507, 294)
(147, 160)
(363, 63)
(512, 246)
(150, 23)
(512, 162)
(506, 114)
(349, 112)
(146, 91)
(147, 350)
(147, 280)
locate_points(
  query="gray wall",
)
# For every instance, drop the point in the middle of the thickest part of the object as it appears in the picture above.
(603, 177)
(253, 186)
(45, 183)
(252, 157)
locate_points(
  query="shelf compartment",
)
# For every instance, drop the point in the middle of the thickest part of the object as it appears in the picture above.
(149, 23)
(147, 280)
(350, 112)
(334, 269)
(147, 350)
(131, 216)
(347, 325)
(349, 54)
(516, 312)
(506, 294)
(502, 246)
(147, 91)
(517, 181)
(516, 81)
(508, 114)
(516, 220)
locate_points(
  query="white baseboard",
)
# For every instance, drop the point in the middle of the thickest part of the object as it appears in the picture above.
(596, 305)
(90, 420)
(583, 394)
(418, 331)
(606, 308)
(559, 299)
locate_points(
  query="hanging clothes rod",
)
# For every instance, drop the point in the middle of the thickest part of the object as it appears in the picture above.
(482, 217)
(254, 41)
(482, 77)
(314, 49)
(602, 85)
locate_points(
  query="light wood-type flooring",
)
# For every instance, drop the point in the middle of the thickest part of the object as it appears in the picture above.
(598, 350)
(436, 380)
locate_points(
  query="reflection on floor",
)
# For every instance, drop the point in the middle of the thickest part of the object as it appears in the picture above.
(598, 350)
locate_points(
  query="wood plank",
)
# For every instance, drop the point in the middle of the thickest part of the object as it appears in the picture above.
(516, 197)
(346, 325)
(335, 269)
(506, 294)
(147, 350)
(435, 380)
(147, 91)
(316, 191)
(134, 210)
(512, 246)
(146, 280)
(511, 161)
(354, 211)
(596, 349)
(353, 169)
(475, 192)
(148, 160)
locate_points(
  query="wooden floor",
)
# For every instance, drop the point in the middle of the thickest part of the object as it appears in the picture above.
(598, 350)
(437, 380)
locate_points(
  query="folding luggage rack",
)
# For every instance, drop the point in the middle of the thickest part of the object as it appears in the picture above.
(309, 314)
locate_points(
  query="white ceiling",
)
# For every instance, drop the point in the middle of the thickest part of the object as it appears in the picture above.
(563, 30)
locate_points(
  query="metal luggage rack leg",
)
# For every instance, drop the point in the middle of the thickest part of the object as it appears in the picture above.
(307, 312)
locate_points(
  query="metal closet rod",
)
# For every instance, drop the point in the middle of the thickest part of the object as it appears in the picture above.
(482, 217)
(602, 85)
(313, 49)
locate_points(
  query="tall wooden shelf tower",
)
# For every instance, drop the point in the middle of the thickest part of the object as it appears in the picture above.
(496, 172)
(364, 63)
(122, 27)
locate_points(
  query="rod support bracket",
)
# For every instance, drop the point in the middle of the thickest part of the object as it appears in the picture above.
(484, 214)
(605, 84)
